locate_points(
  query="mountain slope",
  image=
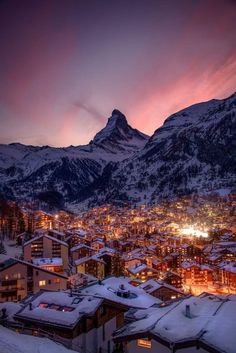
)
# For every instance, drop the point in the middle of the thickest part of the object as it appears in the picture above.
(27, 171)
(193, 152)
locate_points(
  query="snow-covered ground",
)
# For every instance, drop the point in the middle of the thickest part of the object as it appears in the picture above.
(12, 342)
(12, 249)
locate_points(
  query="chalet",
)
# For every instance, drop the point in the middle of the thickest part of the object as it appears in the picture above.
(195, 274)
(173, 278)
(82, 323)
(142, 272)
(84, 320)
(111, 260)
(194, 324)
(45, 246)
(56, 234)
(20, 278)
(227, 275)
(76, 239)
(161, 290)
(91, 265)
(131, 261)
(98, 244)
(80, 251)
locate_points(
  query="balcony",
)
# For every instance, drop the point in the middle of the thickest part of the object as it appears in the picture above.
(8, 282)
(13, 289)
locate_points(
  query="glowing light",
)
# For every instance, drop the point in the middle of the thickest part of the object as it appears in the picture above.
(194, 232)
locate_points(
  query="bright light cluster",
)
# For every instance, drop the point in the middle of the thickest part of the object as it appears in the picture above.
(194, 232)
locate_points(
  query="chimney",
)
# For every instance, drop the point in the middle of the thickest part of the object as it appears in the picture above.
(30, 306)
(187, 311)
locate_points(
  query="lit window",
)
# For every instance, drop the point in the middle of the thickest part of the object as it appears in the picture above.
(17, 275)
(146, 343)
(42, 283)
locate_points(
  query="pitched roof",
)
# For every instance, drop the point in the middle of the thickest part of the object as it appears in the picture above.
(211, 322)
(46, 236)
(110, 287)
(6, 262)
(59, 308)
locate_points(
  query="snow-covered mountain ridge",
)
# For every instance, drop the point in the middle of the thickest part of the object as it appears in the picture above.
(193, 152)
(26, 171)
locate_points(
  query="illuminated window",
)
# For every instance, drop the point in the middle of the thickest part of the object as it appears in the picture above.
(42, 283)
(17, 275)
(55, 307)
(144, 342)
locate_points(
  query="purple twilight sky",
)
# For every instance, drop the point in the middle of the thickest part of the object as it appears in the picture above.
(66, 64)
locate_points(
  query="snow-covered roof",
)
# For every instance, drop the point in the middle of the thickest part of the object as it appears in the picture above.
(56, 261)
(226, 243)
(98, 242)
(210, 319)
(142, 267)
(88, 258)
(229, 267)
(54, 231)
(220, 331)
(6, 261)
(187, 264)
(11, 309)
(80, 232)
(46, 236)
(79, 279)
(59, 308)
(12, 342)
(151, 285)
(109, 288)
(135, 257)
(81, 246)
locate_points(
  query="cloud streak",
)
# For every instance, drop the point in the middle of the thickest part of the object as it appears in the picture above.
(66, 65)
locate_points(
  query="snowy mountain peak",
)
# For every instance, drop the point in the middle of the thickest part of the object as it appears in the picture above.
(118, 134)
(117, 120)
(117, 113)
(198, 115)
(194, 152)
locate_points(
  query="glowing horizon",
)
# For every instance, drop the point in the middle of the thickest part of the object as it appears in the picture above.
(66, 65)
